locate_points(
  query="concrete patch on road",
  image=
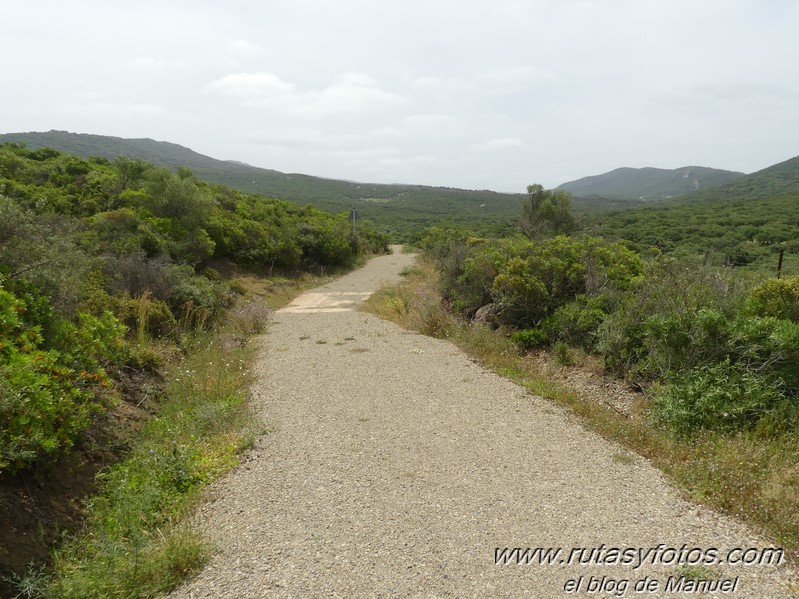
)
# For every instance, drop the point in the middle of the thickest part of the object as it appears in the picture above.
(326, 301)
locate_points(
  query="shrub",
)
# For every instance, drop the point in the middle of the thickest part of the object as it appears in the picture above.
(669, 312)
(189, 289)
(563, 354)
(554, 272)
(778, 298)
(149, 317)
(48, 396)
(469, 271)
(724, 397)
(530, 338)
(577, 322)
(250, 319)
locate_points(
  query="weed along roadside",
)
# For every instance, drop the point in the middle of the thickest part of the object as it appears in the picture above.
(135, 542)
(750, 474)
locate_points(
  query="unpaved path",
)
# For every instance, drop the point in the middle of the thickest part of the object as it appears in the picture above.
(395, 467)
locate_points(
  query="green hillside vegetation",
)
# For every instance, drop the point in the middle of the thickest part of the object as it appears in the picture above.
(733, 232)
(649, 184)
(404, 211)
(781, 179)
(96, 257)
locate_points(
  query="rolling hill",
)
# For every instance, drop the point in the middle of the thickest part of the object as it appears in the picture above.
(402, 210)
(778, 180)
(744, 222)
(649, 183)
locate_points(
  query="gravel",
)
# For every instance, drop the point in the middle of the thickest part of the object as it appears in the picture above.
(394, 466)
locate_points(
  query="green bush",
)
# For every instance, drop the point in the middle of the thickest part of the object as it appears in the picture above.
(468, 272)
(778, 298)
(577, 322)
(48, 396)
(84, 243)
(658, 315)
(564, 356)
(189, 289)
(555, 271)
(724, 396)
(529, 338)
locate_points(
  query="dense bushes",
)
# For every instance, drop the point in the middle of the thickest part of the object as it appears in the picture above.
(529, 280)
(51, 387)
(98, 257)
(717, 350)
(736, 232)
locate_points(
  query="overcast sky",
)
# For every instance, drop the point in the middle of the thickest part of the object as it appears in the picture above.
(490, 94)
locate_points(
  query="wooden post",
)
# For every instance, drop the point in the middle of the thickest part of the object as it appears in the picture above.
(779, 263)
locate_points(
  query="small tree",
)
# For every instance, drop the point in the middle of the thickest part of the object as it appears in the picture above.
(131, 171)
(546, 212)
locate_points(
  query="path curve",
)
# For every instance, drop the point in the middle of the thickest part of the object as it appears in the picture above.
(395, 466)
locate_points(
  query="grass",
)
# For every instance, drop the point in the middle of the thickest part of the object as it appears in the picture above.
(135, 542)
(752, 477)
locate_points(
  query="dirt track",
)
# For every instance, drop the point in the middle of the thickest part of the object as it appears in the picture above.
(394, 467)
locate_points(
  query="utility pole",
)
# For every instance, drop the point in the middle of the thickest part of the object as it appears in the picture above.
(353, 217)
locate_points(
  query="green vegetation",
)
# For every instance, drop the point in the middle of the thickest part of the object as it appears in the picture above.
(403, 211)
(726, 356)
(112, 268)
(546, 212)
(134, 544)
(751, 473)
(713, 345)
(735, 232)
(92, 249)
(778, 180)
(116, 288)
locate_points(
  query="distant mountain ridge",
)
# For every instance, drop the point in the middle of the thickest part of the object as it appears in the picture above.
(398, 209)
(649, 183)
(404, 210)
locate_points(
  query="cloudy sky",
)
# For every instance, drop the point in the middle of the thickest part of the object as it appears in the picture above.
(484, 94)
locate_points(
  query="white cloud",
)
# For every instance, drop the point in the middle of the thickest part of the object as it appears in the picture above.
(512, 79)
(441, 84)
(364, 156)
(306, 136)
(123, 110)
(355, 95)
(250, 85)
(387, 132)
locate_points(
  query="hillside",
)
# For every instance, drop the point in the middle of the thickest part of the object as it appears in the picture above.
(778, 180)
(402, 210)
(649, 183)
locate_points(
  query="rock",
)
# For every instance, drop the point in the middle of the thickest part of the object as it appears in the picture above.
(488, 314)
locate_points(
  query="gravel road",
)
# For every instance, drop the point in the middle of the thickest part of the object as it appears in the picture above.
(394, 467)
